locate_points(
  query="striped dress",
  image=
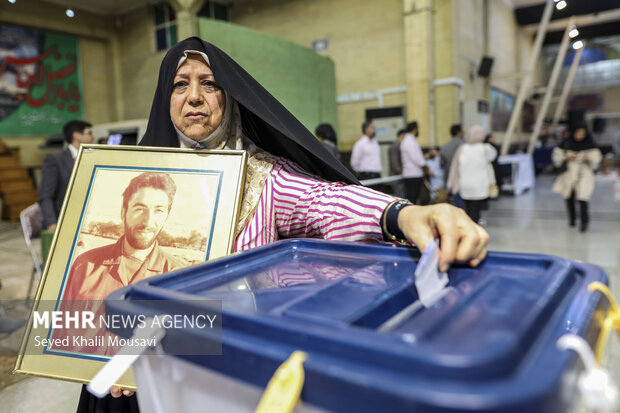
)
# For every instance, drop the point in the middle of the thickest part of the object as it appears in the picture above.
(296, 204)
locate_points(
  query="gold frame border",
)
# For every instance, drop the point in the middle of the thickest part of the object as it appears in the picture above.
(239, 178)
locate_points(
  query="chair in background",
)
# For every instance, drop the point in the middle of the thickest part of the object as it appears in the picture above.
(31, 219)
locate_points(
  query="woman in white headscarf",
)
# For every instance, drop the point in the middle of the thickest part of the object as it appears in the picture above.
(469, 173)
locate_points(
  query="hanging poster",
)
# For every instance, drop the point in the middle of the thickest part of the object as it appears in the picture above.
(502, 104)
(40, 85)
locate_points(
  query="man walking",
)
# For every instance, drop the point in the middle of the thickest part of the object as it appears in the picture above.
(396, 163)
(413, 163)
(366, 155)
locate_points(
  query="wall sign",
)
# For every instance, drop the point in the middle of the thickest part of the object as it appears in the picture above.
(40, 85)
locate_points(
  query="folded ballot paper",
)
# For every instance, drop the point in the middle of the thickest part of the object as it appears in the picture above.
(429, 281)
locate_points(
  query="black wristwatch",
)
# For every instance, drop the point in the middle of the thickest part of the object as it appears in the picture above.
(389, 222)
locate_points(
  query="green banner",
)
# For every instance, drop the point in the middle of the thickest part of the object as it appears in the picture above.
(40, 84)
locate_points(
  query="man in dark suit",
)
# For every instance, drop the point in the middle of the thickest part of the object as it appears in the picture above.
(396, 164)
(56, 171)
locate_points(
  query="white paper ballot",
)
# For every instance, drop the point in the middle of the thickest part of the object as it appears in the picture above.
(122, 361)
(429, 281)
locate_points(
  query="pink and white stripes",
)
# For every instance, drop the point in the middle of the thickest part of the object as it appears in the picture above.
(295, 203)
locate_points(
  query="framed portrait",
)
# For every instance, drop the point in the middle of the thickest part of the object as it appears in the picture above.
(129, 213)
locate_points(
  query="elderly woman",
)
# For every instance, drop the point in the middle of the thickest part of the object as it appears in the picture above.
(294, 186)
(579, 156)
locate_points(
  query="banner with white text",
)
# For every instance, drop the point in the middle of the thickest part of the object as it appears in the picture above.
(40, 83)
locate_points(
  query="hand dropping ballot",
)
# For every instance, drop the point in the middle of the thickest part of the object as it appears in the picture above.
(429, 281)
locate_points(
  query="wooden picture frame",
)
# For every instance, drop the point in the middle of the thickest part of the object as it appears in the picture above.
(111, 191)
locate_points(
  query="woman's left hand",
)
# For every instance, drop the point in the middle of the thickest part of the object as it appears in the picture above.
(461, 239)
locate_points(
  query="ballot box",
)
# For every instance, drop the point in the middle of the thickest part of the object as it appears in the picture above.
(488, 344)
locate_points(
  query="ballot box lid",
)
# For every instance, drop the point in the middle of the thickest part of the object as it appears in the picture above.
(488, 344)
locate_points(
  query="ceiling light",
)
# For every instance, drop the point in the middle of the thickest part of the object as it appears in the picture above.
(560, 5)
(12, 1)
(578, 45)
(70, 13)
(573, 33)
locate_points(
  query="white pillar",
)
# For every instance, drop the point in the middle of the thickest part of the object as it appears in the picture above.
(542, 111)
(527, 80)
(431, 74)
(567, 86)
(187, 21)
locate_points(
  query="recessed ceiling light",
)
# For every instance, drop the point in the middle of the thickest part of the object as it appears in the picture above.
(70, 13)
(578, 45)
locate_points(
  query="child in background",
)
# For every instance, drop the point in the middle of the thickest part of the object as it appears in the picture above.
(436, 175)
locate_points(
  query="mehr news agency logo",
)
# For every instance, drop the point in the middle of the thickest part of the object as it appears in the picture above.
(86, 320)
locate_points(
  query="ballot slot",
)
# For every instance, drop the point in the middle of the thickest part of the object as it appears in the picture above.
(349, 289)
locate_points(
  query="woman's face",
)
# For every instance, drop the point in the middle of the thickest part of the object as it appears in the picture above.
(197, 103)
(580, 134)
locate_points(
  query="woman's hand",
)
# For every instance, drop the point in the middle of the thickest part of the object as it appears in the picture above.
(116, 392)
(571, 156)
(461, 239)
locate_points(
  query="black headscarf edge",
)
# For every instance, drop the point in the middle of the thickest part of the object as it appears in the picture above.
(569, 143)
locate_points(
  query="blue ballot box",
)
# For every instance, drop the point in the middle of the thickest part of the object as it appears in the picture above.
(488, 345)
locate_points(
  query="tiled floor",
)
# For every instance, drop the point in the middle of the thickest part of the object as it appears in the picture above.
(532, 222)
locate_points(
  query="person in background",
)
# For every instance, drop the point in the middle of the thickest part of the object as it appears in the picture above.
(436, 177)
(366, 155)
(617, 151)
(327, 136)
(469, 172)
(413, 163)
(366, 158)
(521, 148)
(396, 164)
(447, 154)
(578, 156)
(56, 171)
(497, 171)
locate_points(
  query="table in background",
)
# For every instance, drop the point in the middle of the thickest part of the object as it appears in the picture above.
(522, 176)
